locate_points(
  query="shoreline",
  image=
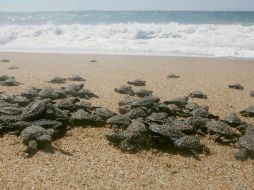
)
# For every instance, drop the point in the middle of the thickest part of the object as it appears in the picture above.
(121, 53)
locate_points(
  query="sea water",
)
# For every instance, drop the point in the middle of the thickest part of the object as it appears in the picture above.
(213, 34)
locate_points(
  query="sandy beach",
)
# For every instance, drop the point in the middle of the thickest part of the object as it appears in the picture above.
(92, 163)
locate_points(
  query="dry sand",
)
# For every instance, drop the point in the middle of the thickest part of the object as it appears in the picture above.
(92, 162)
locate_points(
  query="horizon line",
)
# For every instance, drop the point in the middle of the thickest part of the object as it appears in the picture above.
(115, 10)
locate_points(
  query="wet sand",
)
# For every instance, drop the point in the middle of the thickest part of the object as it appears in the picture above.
(91, 163)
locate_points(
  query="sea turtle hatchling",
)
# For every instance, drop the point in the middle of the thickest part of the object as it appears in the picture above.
(34, 110)
(5, 60)
(13, 67)
(191, 143)
(171, 133)
(124, 90)
(192, 106)
(68, 104)
(236, 86)
(57, 80)
(21, 100)
(4, 77)
(143, 93)
(249, 130)
(10, 82)
(170, 109)
(148, 102)
(5, 97)
(158, 118)
(135, 137)
(202, 111)
(81, 105)
(248, 112)
(4, 103)
(36, 137)
(233, 120)
(48, 92)
(124, 109)
(10, 110)
(31, 93)
(103, 113)
(179, 102)
(87, 94)
(187, 126)
(173, 76)
(222, 132)
(136, 113)
(127, 100)
(73, 89)
(198, 94)
(119, 121)
(61, 93)
(246, 143)
(83, 118)
(137, 82)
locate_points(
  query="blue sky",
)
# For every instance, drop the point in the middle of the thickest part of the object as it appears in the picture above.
(53, 5)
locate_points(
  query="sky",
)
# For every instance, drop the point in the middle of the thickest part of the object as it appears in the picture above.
(63, 5)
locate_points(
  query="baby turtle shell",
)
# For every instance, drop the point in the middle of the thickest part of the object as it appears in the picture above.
(137, 82)
(236, 86)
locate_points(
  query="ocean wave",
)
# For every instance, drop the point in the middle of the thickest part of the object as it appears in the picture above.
(171, 38)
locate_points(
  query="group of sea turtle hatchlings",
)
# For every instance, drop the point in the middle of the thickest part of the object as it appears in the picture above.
(7, 80)
(145, 122)
(11, 81)
(39, 116)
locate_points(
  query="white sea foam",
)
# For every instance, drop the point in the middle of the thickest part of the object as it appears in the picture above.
(171, 38)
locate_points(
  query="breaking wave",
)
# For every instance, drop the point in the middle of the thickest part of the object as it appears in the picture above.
(232, 40)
